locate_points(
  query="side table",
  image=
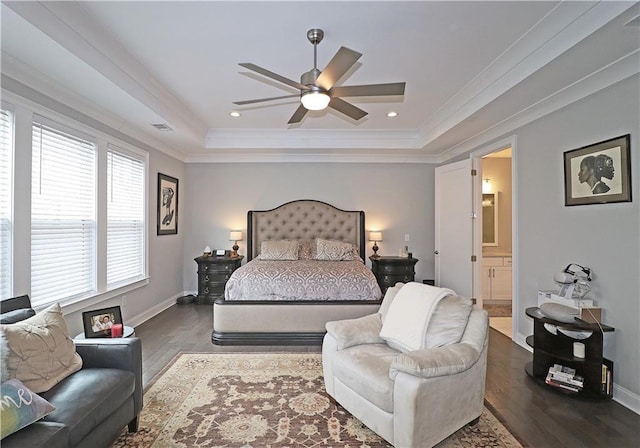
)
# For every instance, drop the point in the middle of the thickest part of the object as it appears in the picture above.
(213, 273)
(127, 332)
(390, 270)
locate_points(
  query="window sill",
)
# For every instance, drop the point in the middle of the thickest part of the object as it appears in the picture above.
(80, 303)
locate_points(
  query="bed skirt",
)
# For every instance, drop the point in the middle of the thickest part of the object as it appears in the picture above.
(281, 323)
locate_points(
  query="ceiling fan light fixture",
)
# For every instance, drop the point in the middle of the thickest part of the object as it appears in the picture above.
(315, 100)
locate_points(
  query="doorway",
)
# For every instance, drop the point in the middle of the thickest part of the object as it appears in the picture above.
(496, 254)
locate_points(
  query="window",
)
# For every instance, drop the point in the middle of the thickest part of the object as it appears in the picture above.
(125, 216)
(6, 155)
(63, 213)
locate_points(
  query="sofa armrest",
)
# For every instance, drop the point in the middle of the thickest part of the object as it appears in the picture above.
(114, 353)
(434, 362)
(350, 332)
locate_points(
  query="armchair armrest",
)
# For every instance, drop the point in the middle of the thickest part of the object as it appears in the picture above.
(114, 353)
(434, 362)
(350, 332)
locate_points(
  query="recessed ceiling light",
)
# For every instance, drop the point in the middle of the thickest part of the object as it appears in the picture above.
(392, 114)
(234, 114)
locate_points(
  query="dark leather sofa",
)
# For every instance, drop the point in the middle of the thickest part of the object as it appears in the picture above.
(94, 404)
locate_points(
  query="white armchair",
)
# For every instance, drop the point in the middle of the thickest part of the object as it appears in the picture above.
(414, 398)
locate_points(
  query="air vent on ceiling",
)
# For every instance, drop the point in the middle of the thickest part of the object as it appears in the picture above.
(161, 127)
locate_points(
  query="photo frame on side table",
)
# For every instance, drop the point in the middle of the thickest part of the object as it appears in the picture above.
(98, 323)
(167, 205)
(598, 173)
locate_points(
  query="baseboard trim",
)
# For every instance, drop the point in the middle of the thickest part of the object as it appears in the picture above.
(153, 311)
(626, 398)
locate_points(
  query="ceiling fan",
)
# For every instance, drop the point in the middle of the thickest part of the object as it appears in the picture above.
(317, 90)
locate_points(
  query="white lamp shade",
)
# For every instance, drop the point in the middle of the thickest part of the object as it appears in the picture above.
(375, 236)
(315, 100)
(235, 235)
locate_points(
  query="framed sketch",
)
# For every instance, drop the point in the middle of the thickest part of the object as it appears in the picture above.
(167, 205)
(98, 323)
(598, 173)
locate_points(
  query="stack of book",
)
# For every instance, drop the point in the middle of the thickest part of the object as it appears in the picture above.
(564, 378)
(606, 379)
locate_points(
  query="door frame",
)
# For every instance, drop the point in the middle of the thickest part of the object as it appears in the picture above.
(476, 163)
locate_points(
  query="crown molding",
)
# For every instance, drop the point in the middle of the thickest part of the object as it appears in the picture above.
(304, 156)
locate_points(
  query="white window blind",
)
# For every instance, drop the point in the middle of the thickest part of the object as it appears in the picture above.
(63, 213)
(6, 157)
(125, 216)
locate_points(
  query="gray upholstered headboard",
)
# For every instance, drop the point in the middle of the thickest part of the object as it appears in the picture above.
(304, 219)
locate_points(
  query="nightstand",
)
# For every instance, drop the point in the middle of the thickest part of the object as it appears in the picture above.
(213, 273)
(391, 270)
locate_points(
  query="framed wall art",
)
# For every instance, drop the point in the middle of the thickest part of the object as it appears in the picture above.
(98, 323)
(599, 173)
(167, 205)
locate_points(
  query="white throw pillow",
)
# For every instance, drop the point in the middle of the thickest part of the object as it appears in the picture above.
(279, 250)
(406, 321)
(41, 353)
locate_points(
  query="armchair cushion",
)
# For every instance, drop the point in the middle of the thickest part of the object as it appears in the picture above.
(448, 322)
(41, 353)
(434, 362)
(350, 332)
(365, 370)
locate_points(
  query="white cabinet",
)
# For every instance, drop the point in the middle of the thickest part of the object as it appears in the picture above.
(496, 278)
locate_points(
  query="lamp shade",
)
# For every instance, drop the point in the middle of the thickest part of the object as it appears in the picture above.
(235, 235)
(375, 236)
(315, 100)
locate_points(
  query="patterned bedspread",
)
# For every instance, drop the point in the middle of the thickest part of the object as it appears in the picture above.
(302, 280)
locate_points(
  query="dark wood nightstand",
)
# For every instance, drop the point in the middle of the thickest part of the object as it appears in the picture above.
(391, 270)
(213, 273)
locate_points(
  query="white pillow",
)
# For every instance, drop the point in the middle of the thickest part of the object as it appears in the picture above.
(279, 250)
(448, 322)
(405, 324)
(331, 250)
(41, 353)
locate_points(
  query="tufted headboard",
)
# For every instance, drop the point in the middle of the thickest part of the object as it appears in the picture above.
(301, 220)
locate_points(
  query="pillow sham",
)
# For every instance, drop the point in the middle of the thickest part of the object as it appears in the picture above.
(20, 407)
(41, 353)
(332, 250)
(279, 250)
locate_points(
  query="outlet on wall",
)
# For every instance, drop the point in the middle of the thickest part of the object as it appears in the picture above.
(406, 237)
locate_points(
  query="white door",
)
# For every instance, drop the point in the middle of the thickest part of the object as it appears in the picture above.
(454, 227)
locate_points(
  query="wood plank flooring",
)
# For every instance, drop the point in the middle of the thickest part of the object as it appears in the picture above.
(538, 416)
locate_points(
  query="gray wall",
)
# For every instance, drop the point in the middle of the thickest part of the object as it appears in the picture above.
(397, 199)
(605, 237)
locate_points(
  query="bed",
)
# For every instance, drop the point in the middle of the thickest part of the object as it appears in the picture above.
(287, 299)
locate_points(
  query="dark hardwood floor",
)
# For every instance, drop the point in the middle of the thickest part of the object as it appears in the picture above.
(538, 417)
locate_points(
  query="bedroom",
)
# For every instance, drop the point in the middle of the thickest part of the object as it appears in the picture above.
(398, 198)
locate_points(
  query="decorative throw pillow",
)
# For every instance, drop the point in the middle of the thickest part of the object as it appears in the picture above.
(41, 353)
(279, 250)
(20, 407)
(448, 321)
(331, 250)
(4, 349)
(307, 249)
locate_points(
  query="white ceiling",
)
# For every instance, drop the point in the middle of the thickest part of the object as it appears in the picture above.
(473, 70)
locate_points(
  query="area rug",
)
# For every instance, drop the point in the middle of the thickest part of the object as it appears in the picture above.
(261, 400)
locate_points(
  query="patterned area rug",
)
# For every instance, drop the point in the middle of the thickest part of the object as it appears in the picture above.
(264, 400)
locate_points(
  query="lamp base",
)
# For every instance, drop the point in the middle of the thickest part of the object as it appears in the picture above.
(375, 250)
(234, 252)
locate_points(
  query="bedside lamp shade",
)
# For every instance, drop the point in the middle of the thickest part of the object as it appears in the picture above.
(375, 237)
(235, 236)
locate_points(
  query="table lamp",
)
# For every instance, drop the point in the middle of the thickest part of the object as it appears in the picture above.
(235, 236)
(375, 237)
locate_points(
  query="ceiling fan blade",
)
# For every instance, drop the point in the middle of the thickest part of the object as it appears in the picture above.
(337, 67)
(394, 88)
(346, 108)
(270, 74)
(261, 100)
(298, 115)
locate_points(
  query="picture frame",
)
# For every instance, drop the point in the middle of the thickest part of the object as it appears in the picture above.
(167, 205)
(97, 323)
(599, 173)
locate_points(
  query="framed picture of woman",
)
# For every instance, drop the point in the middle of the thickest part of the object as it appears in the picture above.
(598, 173)
(167, 205)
